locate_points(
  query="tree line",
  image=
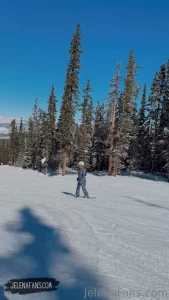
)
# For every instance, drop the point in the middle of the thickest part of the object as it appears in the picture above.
(116, 134)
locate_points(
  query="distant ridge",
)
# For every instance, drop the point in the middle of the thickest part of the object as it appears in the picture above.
(5, 126)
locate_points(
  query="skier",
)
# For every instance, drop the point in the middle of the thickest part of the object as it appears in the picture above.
(81, 180)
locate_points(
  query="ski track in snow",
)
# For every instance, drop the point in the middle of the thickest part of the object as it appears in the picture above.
(120, 240)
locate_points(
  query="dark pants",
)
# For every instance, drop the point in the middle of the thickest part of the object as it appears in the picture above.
(83, 189)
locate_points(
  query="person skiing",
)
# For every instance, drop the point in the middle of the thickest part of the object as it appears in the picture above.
(81, 180)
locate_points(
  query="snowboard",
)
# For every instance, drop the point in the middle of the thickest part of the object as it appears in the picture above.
(82, 197)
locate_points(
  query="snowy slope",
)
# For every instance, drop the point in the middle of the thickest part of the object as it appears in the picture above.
(117, 243)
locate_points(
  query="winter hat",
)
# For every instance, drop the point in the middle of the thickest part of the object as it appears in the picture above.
(81, 164)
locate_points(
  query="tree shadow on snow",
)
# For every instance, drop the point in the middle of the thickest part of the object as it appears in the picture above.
(147, 176)
(52, 173)
(99, 173)
(147, 203)
(39, 253)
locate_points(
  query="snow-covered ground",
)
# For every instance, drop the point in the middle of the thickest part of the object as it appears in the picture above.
(117, 244)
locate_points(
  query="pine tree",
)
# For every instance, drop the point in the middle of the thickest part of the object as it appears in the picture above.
(29, 159)
(141, 142)
(14, 142)
(164, 123)
(112, 115)
(4, 152)
(42, 141)
(21, 135)
(90, 129)
(163, 119)
(51, 126)
(35, 136)
(120, 105)
(154, 109)
(70, 98)
(132, 153)
(75, 155)
(125, 131)
(86, 128)
(99, 138)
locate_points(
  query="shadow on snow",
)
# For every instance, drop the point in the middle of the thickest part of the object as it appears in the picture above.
(68, 194)
(38, 257)
(147, 203)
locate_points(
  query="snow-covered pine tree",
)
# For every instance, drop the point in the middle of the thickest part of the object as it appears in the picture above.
(154, 113)
(35, 136)
(75, 154)
(4, 151)
(86, 129)
(165, 121)
(51, 135)
(99, 138)
(119, 106)
(160, 147)
(141, 142)
(125, 130)
(90, 126)
(21, 136)
(43, 151)
(29, 158)
(70, 99)
(14, 142)
(112, 116)
(132, 153)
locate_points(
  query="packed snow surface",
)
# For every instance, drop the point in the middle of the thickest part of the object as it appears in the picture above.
(116, 246)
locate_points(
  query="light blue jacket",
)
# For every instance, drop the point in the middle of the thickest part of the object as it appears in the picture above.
(81, 177)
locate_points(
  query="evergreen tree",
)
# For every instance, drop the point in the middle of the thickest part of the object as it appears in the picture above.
(165, 123)
(14, 142)
(120, 105)
(77, 141)
(43, 141)
(132, 153)
(154, 110)
(30, 154)
(141, 142)
(51, 126)
(86, 128)
(21, 135)
(163, 119)
(35, 135)
(99, 138)
(70, 98)
(125, 130)
(4, 151)
(111, 116)
(27, 159)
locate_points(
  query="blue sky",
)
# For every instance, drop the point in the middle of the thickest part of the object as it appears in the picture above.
(35, 38)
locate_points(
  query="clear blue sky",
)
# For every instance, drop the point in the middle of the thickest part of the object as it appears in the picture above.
(35, 36)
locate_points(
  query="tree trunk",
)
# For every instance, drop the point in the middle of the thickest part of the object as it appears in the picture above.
(115, 170)
(64, 163)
